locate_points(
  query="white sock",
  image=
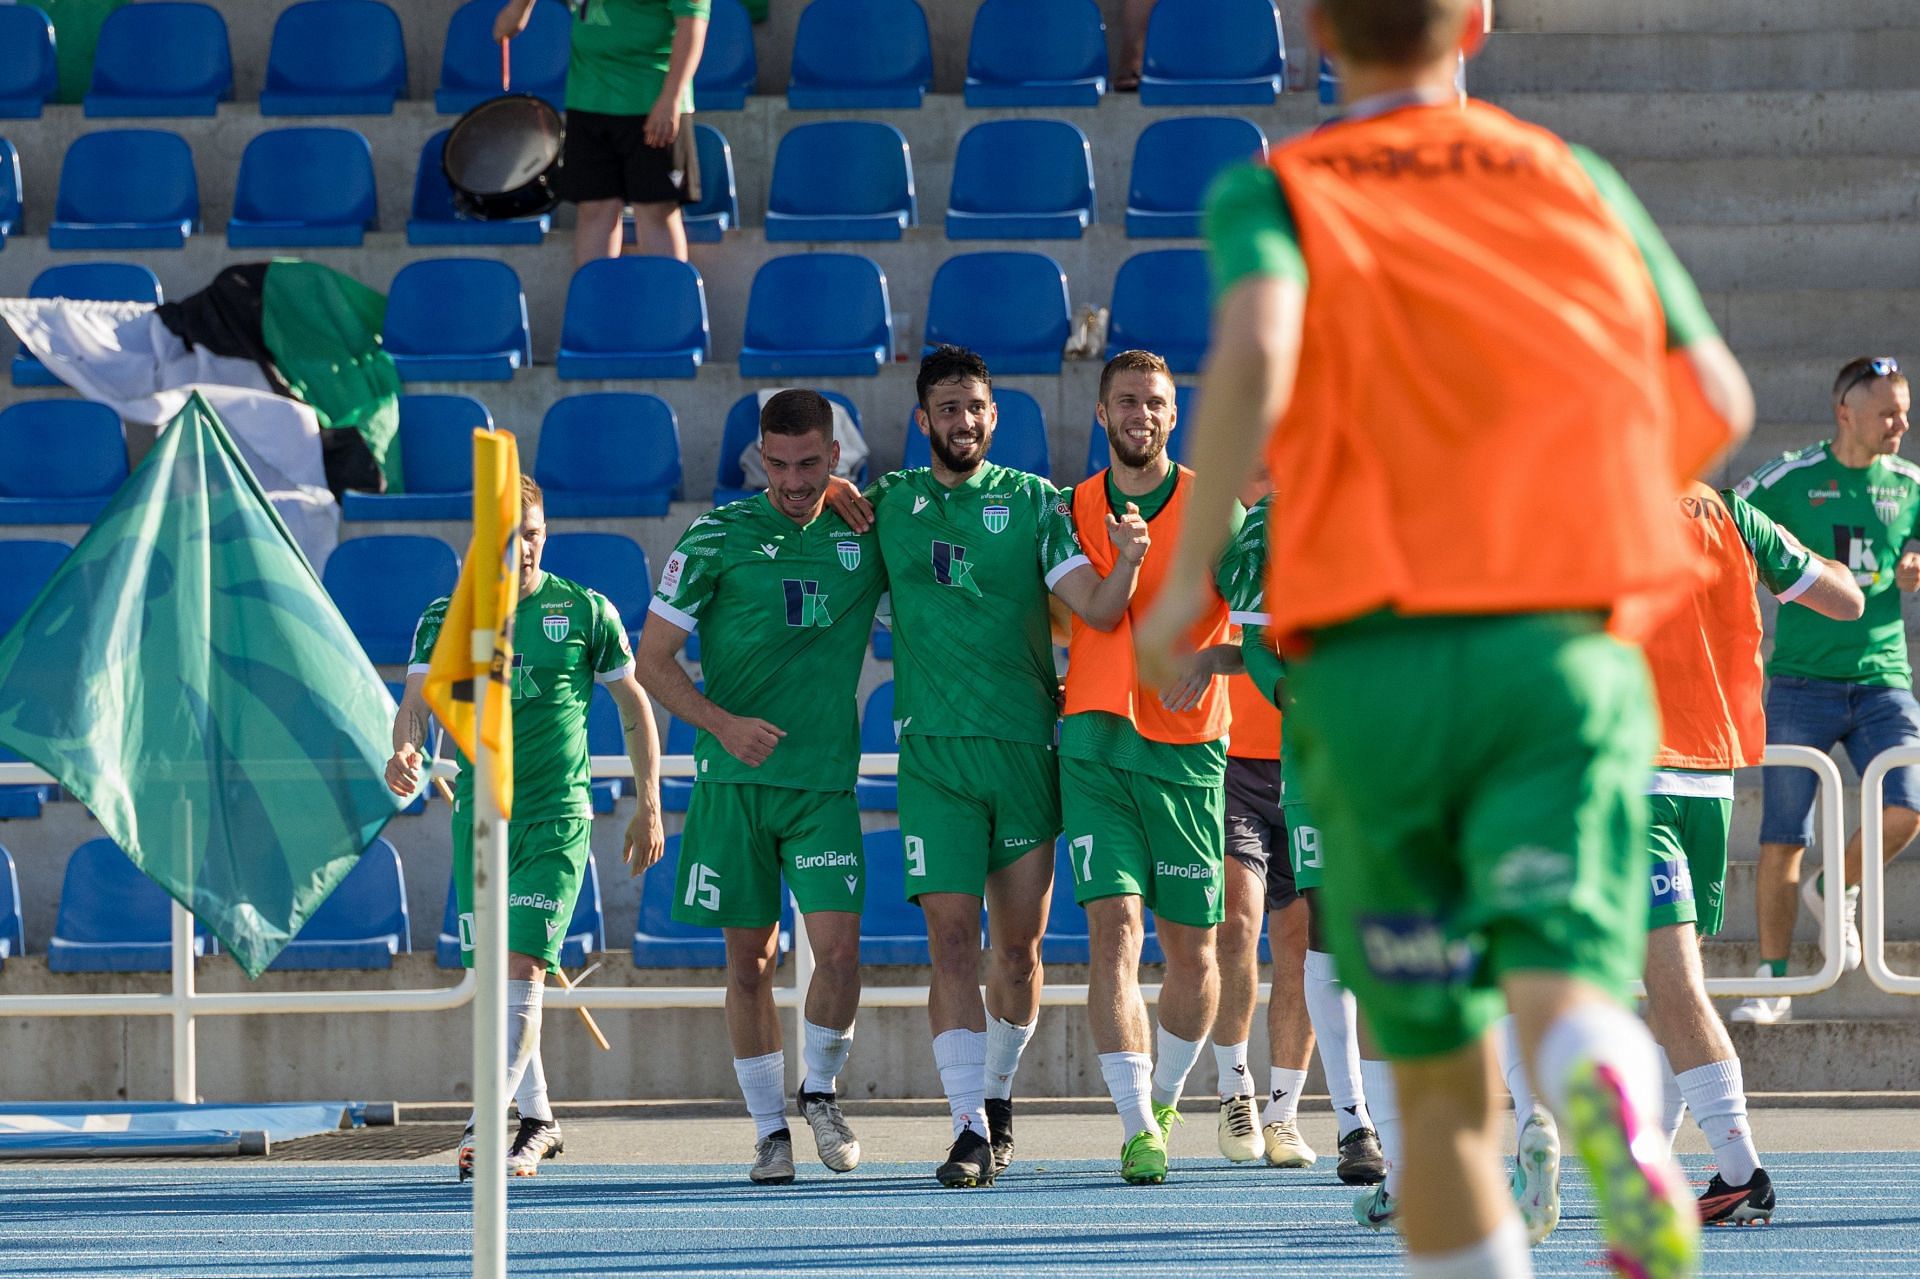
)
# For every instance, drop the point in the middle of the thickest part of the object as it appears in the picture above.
(961, 1056)
(1005, 1043)
(1170, 1072)
(1673, 1102)
(763, 1082)
(1611, 1036)
(524, 1001)
(1129, 1079)
(1719, 1102)
(1283, 1099)
(1384, 1102)
(1331, 1009)
(532, 1097)
(824, 1050)
(1501, 1255)
(1513, 1067)
(1231, 1061)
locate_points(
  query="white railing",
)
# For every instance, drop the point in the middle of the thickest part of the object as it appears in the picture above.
(1873, 874)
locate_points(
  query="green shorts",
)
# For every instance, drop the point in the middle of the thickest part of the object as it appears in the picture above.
(546, 864)
(1687, 838)
(1485, 781)
(1130, 834)
(971, 805)
(1303, 835)
(740, 840)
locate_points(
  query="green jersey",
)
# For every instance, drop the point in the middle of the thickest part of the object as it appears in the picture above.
(565, 638)
(1866, 515)
(1785, 566)
(784, 613)
(969, 568)
(620, 53)
(1241, 577)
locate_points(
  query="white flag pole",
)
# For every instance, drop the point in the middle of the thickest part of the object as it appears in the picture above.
(490, 997)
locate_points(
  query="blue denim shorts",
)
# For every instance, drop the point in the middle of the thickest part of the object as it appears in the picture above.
(1818, 713)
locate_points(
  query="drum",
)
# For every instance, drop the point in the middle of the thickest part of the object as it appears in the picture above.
(502, 158)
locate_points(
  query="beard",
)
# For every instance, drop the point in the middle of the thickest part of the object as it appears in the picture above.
(1127, 455)
(952, 459)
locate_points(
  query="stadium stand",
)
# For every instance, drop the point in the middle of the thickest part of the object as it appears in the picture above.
(586, 931)
(892, 929)
(335, 57)
(609, 454)
(717, 211)
(28, 73)
(470, 59)
(382, 584)
(860, 55)
(161, 59)
(634, 317)
(12, 194)
(60, 461)
(1037, 53)
(661, 942)
(26, 566)
(611, 563)
(1022, 180)
(817, 315)
(1174, 161)
(1019, 438)
(86, 281)
(302, 187)
(13, 935)
(22, 800)
(435, 221)
(728, 68)
(1011, 307)
(457, 320)
(362, 924)
(113, 918)
(870, 195)
(878, 736)
(1206, 52)
(436, 462)
(1160, 305)
(126, 189)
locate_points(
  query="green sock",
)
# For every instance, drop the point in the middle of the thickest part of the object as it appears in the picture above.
(1820, 883)
(1776, 967)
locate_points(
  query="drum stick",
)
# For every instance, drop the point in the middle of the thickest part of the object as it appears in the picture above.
(593, 1027)
(506, 67)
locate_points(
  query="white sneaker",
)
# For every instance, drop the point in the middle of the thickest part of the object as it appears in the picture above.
(1239, 1134)
(1286, 1148)
(1760, 1010)
(1536, 1175)
(839, 1150)
(1811, 896)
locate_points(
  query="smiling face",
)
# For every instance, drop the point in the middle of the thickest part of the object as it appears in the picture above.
(1138, 414)
(1872, 417)
(798, 468)
(959, 417)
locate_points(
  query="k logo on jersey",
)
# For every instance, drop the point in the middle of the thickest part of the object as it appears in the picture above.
(555, 626)
(523, 685)
(806, 605)
(995, 518)
(849, 555)
(951, 567)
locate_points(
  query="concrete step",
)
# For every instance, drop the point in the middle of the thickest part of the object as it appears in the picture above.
(1568, 16)
(1838, 255)
(1775, 190)
(1853, 998)
(1688, 62)
(1800, 388)
(1903, 901)
(1797, 1056)
(1758, 321)
(1827, 122)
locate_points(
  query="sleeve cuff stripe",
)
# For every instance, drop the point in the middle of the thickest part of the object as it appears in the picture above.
(1065, 567)
(673, 615)
(615, 675)
(1807, 579)
(1250, 619)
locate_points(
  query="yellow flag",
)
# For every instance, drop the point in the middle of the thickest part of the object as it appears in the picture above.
(476, 640)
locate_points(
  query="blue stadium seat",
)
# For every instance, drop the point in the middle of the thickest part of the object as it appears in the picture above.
(1202, 52)
(23, 800)
(113, 919)
(457, 320)
(302, 187)
(1160, 304)
(13, 937)
(1010, 307)
(660, 942)
(608, 454)
(1175, 160)
(1100, 452)
(892, 929)
(61, 461)
(634, 317)
(1021, 180)
(26, 565)
(335, 57)
(436, 462)
(869, 195)
(161, 59)
(817, 314)
(880, 792)
(586, 932)
(470, 60)
(611, 563)
(434, 220)
(1065, 940)
(1019, 438)
(853, 55)
(728, 69)
(382, 585)
(1329, 83)
(126, 189)
(717, 211)
(742, 428)
(678, 739)
(1037, 53)
(84, 281)
(28, 73)
(363, 923)
(12, 195)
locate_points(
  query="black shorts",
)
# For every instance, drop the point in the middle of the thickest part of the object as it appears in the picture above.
(606, 157)
(1255, 827)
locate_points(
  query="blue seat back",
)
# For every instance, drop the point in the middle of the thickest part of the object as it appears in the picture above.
(718, 192)
(382, 585)
(742, 427)
(128, 175)
(470, 59)
(609, 442)
(807, 301)
(13, 936)
(338, 48)
(28, 73)
(451, 306)
(432, 197)
(1022, 166)
(164, 50)
(98, 282)
(26, 566)
(853, 50)
(637, 303)
(61, 448)
(728, 68)
(1160, 304)
(611, 563)
(1214, 40)
(868, 163)
(436, 441)
(877, 736)
(105, 898)
(316, 176)
(1011, 307)
(11, 193)
(1175, 160)
(370, 902)
(1027, 41)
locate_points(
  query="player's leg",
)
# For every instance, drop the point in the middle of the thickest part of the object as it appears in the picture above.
(1019, 895)
(822, 860)
(1289, 1029)
(1536, 1154)
(1252, 812)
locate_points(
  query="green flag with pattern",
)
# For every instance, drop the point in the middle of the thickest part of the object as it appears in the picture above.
(187, 677)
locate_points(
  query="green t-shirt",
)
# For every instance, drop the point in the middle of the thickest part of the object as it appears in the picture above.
(565, 638)
(1242, 581)
(1867, 515)
(970, 568)
(620, 53)
(784, 613)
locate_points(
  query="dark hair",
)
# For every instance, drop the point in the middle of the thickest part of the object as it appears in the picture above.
(1132, 362)
(530, 494)
(950, 364)
(1866, 368)
(797, 412)
(1394, 33)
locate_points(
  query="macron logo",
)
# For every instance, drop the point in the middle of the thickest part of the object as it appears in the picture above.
(771, 550)
(919, 505)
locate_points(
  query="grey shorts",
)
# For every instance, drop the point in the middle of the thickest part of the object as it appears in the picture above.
(1255, 826)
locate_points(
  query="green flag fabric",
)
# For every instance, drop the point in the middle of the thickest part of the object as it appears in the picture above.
(187, 677)
(322, 328)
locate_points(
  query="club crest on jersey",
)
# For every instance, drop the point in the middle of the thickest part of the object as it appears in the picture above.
(555, 626)
(849, 555)
(995, 518)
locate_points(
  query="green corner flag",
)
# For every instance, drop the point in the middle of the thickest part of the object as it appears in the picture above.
(186, 675)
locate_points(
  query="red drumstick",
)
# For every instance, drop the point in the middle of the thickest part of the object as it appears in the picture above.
(506, 65)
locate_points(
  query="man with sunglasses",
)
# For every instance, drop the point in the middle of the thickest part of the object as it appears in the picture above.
(1839, 681)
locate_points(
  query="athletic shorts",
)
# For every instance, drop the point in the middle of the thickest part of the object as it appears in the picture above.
(1303, 836)
(741, 840)
(1687, 842)
(546, 864)
(1485, 781)
(1131, 834)
(971, 805)
(1864, 718)
(1255, 822)
(606, 157)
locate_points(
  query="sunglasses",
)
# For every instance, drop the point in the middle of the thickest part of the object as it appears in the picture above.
(1885, 366)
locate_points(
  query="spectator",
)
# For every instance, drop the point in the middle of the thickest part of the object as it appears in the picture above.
(629, 83)
(1133, 45)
